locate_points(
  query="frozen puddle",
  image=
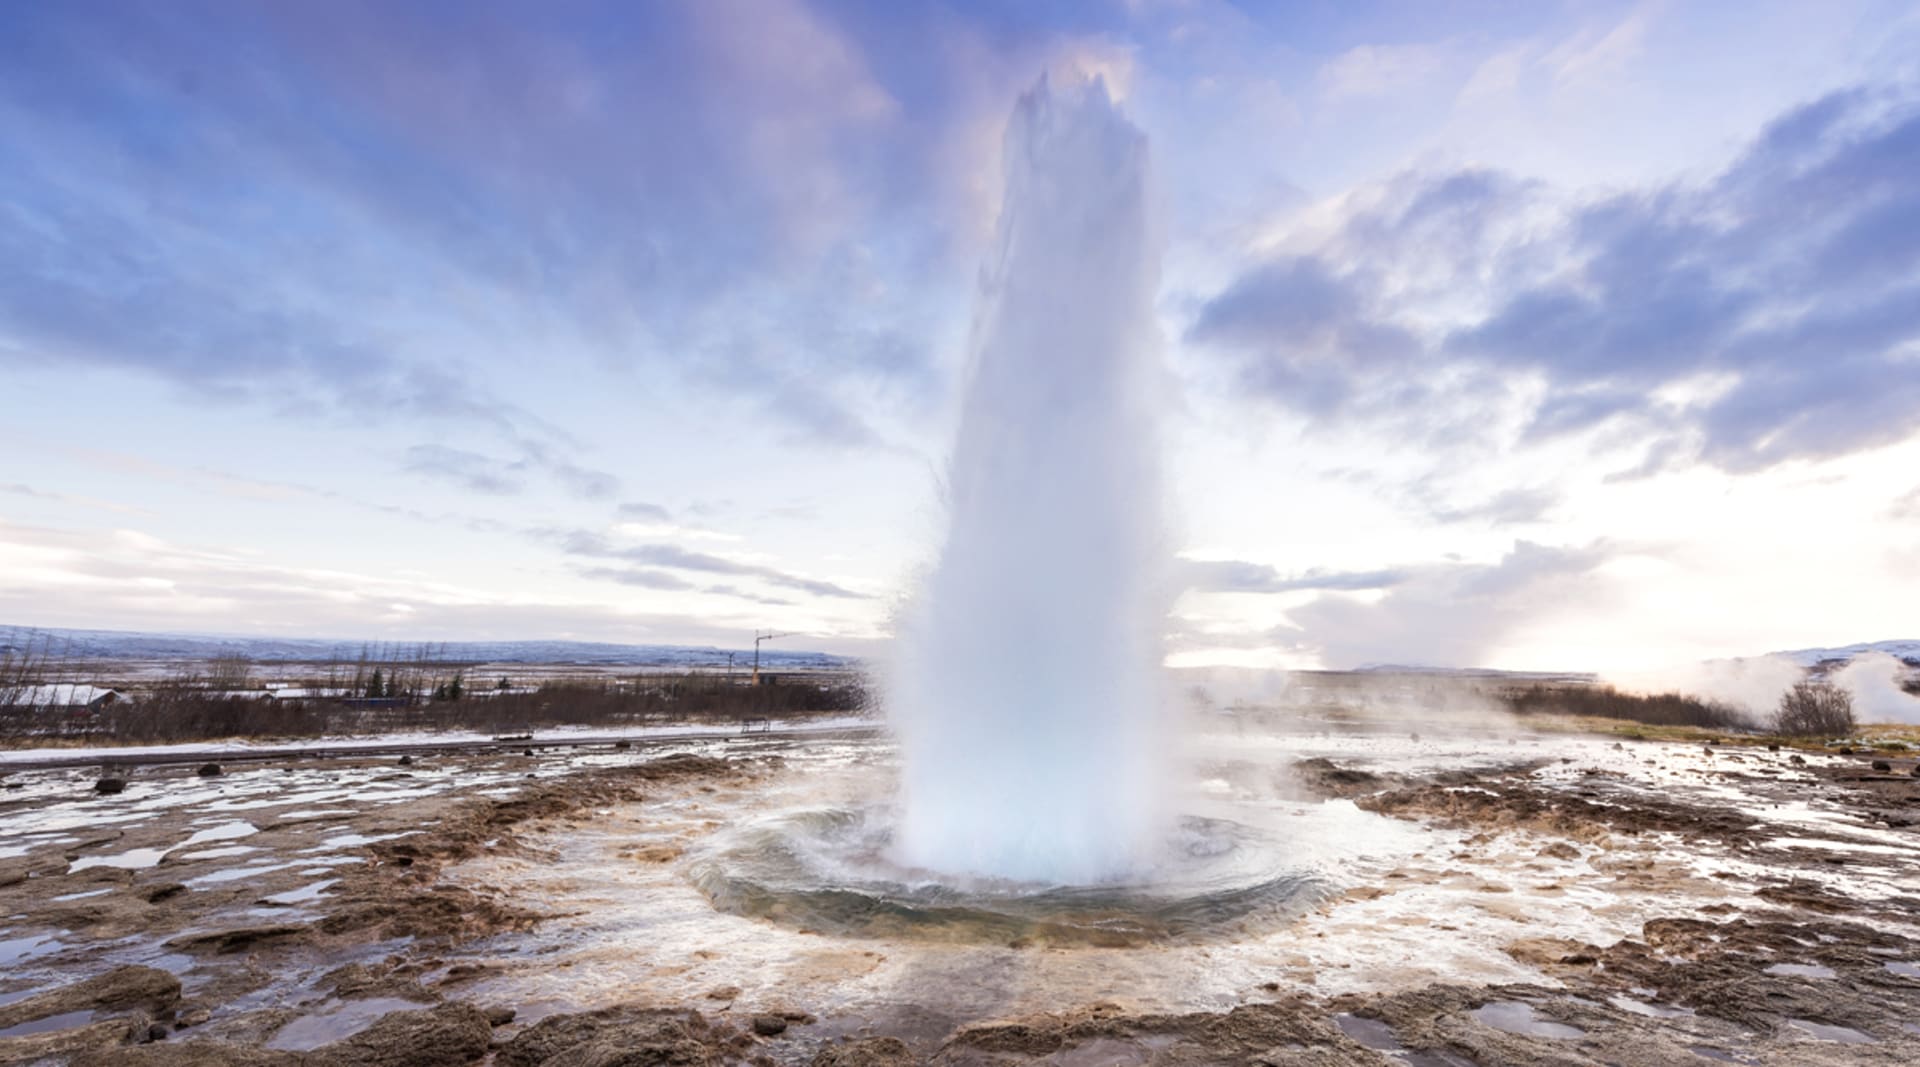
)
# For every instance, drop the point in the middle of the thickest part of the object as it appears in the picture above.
(1846, 1035)
(226, 831)
(131, 860)
(309, 1032)
(215, 853)
(236, 873)
(83, 896)
(1904, 969)
(1801, 970)
(302, 895)
(1517, 1017)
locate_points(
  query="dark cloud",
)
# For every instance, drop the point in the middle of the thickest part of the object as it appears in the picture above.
(1240, 576)
(1784, 292)
(1450, 615)
(674, 557)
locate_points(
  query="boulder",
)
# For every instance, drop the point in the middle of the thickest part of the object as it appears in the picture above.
(209, 770)
(110, 786)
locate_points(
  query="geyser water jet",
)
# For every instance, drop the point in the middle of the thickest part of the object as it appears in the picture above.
(1027, 684)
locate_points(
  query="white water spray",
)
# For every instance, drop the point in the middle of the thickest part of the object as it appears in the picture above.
(1027, 691)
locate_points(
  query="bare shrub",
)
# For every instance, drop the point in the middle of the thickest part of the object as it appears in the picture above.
(1814, 708)
(1604, 701)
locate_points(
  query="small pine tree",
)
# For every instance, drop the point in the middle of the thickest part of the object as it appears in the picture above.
(454, 688)
(377, 687)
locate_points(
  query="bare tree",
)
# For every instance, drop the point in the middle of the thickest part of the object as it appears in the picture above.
(1813, 708)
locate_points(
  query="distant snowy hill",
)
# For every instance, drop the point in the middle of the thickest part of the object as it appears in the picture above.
(1808, 657)
(116, 644)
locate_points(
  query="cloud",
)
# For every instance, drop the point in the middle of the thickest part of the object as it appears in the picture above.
(644, 511)
(643, 577)
(674, 557)
(467, 470)
(1769, 313)
(1450, 615)
(480, 473)
(356, 215)
(1240, 576)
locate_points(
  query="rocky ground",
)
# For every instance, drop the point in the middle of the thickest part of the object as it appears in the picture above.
(354, 928)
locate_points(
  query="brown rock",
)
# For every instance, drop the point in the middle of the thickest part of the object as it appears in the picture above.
(872, 1052)
(451, 1035)
(123, 988)
(769, 1025)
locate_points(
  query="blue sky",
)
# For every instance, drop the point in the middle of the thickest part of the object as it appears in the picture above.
(1522, 334)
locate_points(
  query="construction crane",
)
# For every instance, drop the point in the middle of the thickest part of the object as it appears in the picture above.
(757, 638)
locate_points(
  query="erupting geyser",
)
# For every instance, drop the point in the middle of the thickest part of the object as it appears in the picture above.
(1027, 690)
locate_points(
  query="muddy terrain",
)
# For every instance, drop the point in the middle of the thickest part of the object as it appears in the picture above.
(1505, 901)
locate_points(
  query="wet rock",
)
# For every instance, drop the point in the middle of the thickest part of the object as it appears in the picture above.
(725, 992)
(110, 786)
(611, 1037)
(1797, 760)
(13, 872)
(189, 1054)
(238, 939)
(769, 1025)
(196, 1017)
(623, 745)
(209, 770)
(872, 1052)
(158, 1032)
(500, 1015)
(1327, 778)
(147, 989)
(451, 1035)
(406, 761)
(1773, 748)
(1881, 765)
(163, 891)
(1560, 850)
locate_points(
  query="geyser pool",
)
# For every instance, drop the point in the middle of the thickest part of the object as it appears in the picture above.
(1026, 685)
(828, 870)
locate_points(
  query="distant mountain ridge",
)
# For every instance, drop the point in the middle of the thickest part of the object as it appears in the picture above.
(136, 645)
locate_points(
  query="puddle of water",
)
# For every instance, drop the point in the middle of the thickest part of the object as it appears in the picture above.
(340, 841)
(1717, 1054)
(1904, 969)
(132, 860)
(226, 831)
(15, 949)
(232, 874)
(83, 896)
(1651, 1011)
(1369, 1032)
(18, 994)
(303, 894)
(1517, 1017)
(1846, 1035)
(309, 1032)
(63, 1021)
(214, 853)
(1801, 970)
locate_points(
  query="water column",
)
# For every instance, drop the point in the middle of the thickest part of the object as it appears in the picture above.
(1026, 688)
